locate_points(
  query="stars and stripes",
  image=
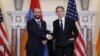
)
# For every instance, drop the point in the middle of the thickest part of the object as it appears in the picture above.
(79, 43)
(71, 10)
(3, 37)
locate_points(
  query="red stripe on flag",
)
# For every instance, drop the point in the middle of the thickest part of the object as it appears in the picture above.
(2, 40)
(34, 4)
(79, 49)
(3, 31)
(74, 54)
(80, 38)
(1, 54)
(6, 49)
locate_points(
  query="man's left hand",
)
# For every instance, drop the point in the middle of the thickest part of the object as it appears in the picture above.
(44, 42)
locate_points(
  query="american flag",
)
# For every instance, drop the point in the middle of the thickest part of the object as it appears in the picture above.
(3, 37)
(79, 43)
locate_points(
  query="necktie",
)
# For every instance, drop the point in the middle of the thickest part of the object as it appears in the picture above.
(61, 24)
(39, 24)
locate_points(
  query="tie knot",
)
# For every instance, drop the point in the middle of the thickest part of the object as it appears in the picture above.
(60, 19)
(38, 21)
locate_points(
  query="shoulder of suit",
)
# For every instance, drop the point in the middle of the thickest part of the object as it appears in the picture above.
(69, 19)
(43, 21)
(31, 20)
(55, 20)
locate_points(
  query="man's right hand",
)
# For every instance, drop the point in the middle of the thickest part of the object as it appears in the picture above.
(49, 37)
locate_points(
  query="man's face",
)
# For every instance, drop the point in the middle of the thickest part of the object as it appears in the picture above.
(37, 13)
(60, 12)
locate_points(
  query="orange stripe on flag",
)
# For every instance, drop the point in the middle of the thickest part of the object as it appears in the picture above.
(23, 50)
(98, 44)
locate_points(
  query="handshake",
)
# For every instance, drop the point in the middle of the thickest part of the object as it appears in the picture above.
(49, 37)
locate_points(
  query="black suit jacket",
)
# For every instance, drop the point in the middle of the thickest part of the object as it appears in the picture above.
(35, 35)
(62, 37)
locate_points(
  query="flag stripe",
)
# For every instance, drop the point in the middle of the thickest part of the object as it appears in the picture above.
(79, 41)
(98, 44)
(1, 27)
(34, 4)
(80, 33)
(6, 48)
(76, 53)
(1, 53)
(80, 45)
(3, 36)
(3, 40)
(79, 49)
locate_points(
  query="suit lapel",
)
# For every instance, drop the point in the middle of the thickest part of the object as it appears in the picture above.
(35, 23)
(66, 24)
(58, 26)
(42, 25)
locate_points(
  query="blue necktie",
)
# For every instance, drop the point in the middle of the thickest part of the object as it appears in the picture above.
(61, 24)
(39, 24)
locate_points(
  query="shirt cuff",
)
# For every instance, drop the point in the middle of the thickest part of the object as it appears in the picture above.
(46, 35)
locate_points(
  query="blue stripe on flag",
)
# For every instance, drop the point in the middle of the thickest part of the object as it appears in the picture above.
(46, 50)
(30, 15)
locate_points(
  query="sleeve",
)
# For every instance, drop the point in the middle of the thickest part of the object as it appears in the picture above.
(45, 28)
(54, 31)
(74, 29)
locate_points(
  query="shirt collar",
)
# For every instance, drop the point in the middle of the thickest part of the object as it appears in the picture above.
(63, 19)
(37, 19)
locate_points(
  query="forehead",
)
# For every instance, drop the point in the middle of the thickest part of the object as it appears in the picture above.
(60, 9)
(37, 10)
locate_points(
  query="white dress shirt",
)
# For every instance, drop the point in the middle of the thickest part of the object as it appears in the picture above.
(63, 21)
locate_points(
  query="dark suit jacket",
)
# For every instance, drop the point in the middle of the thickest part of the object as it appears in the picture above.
(35, 35)
(62, 37)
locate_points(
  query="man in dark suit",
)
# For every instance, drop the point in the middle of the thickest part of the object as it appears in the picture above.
(37, 35)
(65, 33)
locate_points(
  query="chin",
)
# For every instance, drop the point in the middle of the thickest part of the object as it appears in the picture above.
(60, 17)
(37, 17)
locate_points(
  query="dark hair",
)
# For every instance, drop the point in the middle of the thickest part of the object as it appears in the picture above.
(60, 7)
